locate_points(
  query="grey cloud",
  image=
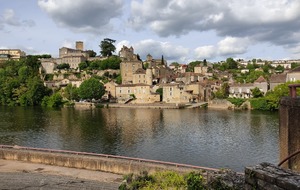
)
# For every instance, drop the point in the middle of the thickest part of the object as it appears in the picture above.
(276, 22)
(8, 18)
(83, 16)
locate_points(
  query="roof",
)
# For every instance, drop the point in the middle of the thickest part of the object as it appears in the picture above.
(296, 70)
(261, 79)
(278, 78)
(132, 85)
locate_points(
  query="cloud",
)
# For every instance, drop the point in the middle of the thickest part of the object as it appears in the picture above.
(273, 21)
(229, 46)
(157, 49)
(89, 16)
(9, 18)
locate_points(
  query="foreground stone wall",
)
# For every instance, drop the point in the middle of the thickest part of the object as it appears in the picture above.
(269, 177)
(91, 162)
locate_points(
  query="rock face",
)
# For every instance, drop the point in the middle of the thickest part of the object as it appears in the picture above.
(266, 176)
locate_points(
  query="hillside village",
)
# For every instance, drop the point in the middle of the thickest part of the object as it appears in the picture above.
(153, 80)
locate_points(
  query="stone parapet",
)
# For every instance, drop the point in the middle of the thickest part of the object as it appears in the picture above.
(266, 176)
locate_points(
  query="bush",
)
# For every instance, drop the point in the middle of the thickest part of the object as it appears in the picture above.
(236, 101)
(259, 104)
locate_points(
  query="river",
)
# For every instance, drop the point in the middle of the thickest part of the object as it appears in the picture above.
(203, 137)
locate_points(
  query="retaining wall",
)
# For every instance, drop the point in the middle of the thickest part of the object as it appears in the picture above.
(106, 163)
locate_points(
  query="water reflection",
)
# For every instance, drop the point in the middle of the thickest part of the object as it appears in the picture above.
(212, 138)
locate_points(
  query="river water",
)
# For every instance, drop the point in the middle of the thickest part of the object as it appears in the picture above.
(203, 137)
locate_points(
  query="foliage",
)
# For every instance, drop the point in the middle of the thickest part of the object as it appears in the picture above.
(91, 89)
(107, 47)
(232, 64)
(113, 62)
(259, 104)
(195, 181)
(91, 53)
(71, 93)
(164, 180)
(294, 65)
(63, 66)
(256, 93)
(279, 69)
(119, 79)
(272, 98)
(223, 92)
(54, 101)
(192, 65)
(160, 92)
(236, 101)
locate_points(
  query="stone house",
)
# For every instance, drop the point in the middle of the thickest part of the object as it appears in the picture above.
(11, 54)
(293, 75)
(200, 91)
(201, 69)
(177, 93)
(277, 79)
(262, 84)
(241, 90)
(110, 89)
(136, 93)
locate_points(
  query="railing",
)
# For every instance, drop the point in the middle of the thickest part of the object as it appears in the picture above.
(293, 90)
(109, 156)
(293, 94)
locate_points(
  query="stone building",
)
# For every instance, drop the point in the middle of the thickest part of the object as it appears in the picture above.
(129, 65)
(262, 84)
(136, 93)
(177, 93)
(293, 75)
(11, 54)
(277, 79)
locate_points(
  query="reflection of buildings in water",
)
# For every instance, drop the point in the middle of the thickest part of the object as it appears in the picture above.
(132, 125)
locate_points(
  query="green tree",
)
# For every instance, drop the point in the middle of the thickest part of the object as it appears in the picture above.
(71, 93)
(54, 101)
(91, 89)
(256, 93)
(107, 47)
(232, 64)
(160, 92)
(63, 66)
(204, 62)
(91, 53)
(192, 65)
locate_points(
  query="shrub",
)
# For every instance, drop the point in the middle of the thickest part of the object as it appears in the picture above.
(236, 101)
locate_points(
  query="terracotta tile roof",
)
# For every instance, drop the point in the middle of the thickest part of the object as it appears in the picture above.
(278, 78)
(260, 80)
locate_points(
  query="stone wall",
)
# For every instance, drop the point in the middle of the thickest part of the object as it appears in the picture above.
(105, 163)
(269, 177)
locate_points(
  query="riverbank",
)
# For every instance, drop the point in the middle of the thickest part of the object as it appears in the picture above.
(159, 105)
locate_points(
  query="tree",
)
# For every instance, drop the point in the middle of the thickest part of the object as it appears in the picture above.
(204, 62)
(71, 92)
(256, 93)
(107, 47)
(160, 92)
(192, 64)
(91, 89)
(232, 64)
(63, 66)
(91, 53)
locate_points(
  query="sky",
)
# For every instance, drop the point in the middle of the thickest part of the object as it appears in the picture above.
(180, 30)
